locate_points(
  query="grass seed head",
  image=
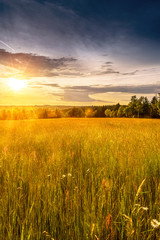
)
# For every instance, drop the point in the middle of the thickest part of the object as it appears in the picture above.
(139, 189)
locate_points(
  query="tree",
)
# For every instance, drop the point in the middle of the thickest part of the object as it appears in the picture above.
(89, 112)
(139, 106)
(116, 107)
(114, 113)
(154, 107)
(133, 99)
(4, 114)
(128, 111)
(146, 107)
(76, 112)
(131, 110)
(58, 113)
(108, 113)
(43, 113)
(121, 111)
(158, 105)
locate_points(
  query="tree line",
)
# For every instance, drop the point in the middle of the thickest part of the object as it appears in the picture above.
(136, 108)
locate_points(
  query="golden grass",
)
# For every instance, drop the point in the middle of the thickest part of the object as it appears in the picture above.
(79, 179)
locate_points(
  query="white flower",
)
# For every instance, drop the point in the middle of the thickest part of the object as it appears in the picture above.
(145, 208)
(69, 175)
(155, 223)
(63, 176)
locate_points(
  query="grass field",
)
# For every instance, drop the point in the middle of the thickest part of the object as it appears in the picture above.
(80, 179)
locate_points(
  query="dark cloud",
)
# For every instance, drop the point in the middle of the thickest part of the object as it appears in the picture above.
(32, 65)
(130, 73)
(109, 71)
(49, 25)
(71, 95)
(49, 84)
(135, 89)
(76, 96)
(142, 17)
(72, 74)
(129, 29)
(107, 65)
(125, 33)
(84, 93)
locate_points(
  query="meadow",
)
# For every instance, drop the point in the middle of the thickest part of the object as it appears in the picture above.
(77, 179)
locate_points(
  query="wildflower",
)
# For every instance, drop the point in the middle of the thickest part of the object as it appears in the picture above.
(145, 208)
(69, 175)
(155, 223)
(63, 176)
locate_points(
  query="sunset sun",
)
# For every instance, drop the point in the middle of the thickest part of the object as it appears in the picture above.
(17, 84)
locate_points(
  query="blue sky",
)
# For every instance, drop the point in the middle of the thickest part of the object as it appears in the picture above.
(79, 52)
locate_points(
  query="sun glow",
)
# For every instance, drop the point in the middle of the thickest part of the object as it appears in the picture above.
(17, 84)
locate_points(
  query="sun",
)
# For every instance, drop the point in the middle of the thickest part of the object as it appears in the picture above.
(17, 84)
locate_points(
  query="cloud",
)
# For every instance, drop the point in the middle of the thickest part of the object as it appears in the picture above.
(126, 31)
(84, 93)
(69, 95)
(130, 73)
(48, 84)
(76, 96)
(32, 65)
(109, 71)
(107, 64)
(49, 25)
(135, 89)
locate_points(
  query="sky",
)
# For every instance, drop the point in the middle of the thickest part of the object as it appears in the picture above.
(78, 52)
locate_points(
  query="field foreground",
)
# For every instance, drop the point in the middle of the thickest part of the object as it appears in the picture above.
(77, 179)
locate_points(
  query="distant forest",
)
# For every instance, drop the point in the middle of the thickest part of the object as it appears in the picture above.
(136, 108)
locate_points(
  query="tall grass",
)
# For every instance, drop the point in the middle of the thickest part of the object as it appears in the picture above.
(77, 179)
